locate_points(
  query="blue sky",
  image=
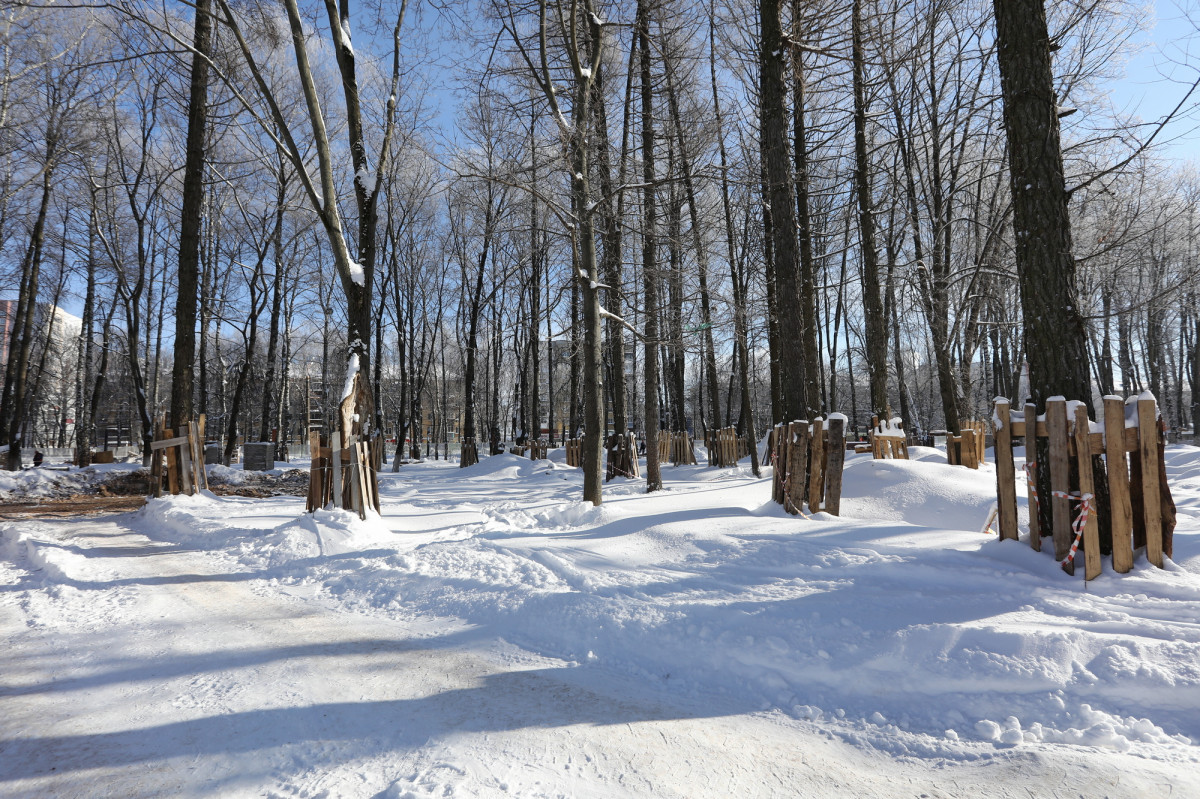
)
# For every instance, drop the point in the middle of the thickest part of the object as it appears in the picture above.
(1146, 92)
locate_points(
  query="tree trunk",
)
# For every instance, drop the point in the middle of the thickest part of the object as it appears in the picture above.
(1055, 336)
(780, 198)
(649, 259)
(876, 327)
(183, 368)
(808, 269)
(12, 403)
(739, 301)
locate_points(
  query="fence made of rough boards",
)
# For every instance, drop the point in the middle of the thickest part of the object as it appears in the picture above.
(968, 447)
(178, 459)
(725, 447)
(888, 439)
(344, 474)
(808, 459)
(1126, 452)
(622, 456)
(676, 447)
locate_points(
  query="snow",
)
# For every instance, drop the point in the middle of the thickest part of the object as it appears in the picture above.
(490, 634)
(357, 273)
(352, 368)
(366, 179)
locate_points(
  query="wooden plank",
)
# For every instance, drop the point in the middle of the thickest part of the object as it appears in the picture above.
(197, 457)
(1035, 523)
(969, 452)
(1006, 474)
(1120, 513)
(1091, 530)
(778, 450)
(314, 471)
(172, 471)
(336, 444)
(185, 462)
(201, 427)
(798, 434)
(1151, 496)
(816, 465)
(356, 479)
(837, 458)
(174, 441)
(1060, 476)
(156, 461)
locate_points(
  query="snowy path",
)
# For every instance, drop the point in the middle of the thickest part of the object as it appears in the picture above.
(239, 648)
(195, 683)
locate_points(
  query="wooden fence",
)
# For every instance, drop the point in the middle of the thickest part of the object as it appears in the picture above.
(178, 459)
(351, 469)
(575, 452)
(968, 449)
(468, 454)
(676, 448)
(725, 447)
(888, 439)
(808, 461)
(1139, 511)
(622, 456)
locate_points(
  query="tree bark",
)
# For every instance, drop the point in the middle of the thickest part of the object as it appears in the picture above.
(649, 258)
(187, 279)
(780, 198)
(1055, 335)
(876, 327)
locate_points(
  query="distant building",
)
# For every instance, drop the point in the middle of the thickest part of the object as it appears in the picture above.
(52, 412)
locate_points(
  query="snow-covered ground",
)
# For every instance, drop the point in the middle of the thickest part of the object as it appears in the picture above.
(491, 635)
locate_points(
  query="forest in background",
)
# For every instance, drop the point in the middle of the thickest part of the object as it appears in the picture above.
(435, 221)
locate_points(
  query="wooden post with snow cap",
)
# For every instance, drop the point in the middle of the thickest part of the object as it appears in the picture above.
(1087, 494)
(1006, 488)
(1147, 409)
(837, 459)
(1120, 512)
(1060, 474)
(797, 466)
(1035, 523)
(816, 465)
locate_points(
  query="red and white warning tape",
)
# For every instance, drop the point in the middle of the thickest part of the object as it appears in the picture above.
(1085, 507)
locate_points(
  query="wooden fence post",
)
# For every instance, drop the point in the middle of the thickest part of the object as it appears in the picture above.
(1060, 471)
(1151, 498)
(797, 465)
(816, 465)
(1031, 432)
(1120, 512)
(1006, 489)
(778, 458)
(1083, 455)
(837, 459)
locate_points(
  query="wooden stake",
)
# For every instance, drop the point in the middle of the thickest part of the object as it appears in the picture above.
(1006, 488)
(837, 458)
(1083, 455)
(797, 465)
(1035, 523)
(816, 467)
(172, 471)
(336, 446)
(1120, 514)
(1060, 476)
(1151, 498)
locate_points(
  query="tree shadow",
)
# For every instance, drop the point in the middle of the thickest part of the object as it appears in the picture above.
(508, 701)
